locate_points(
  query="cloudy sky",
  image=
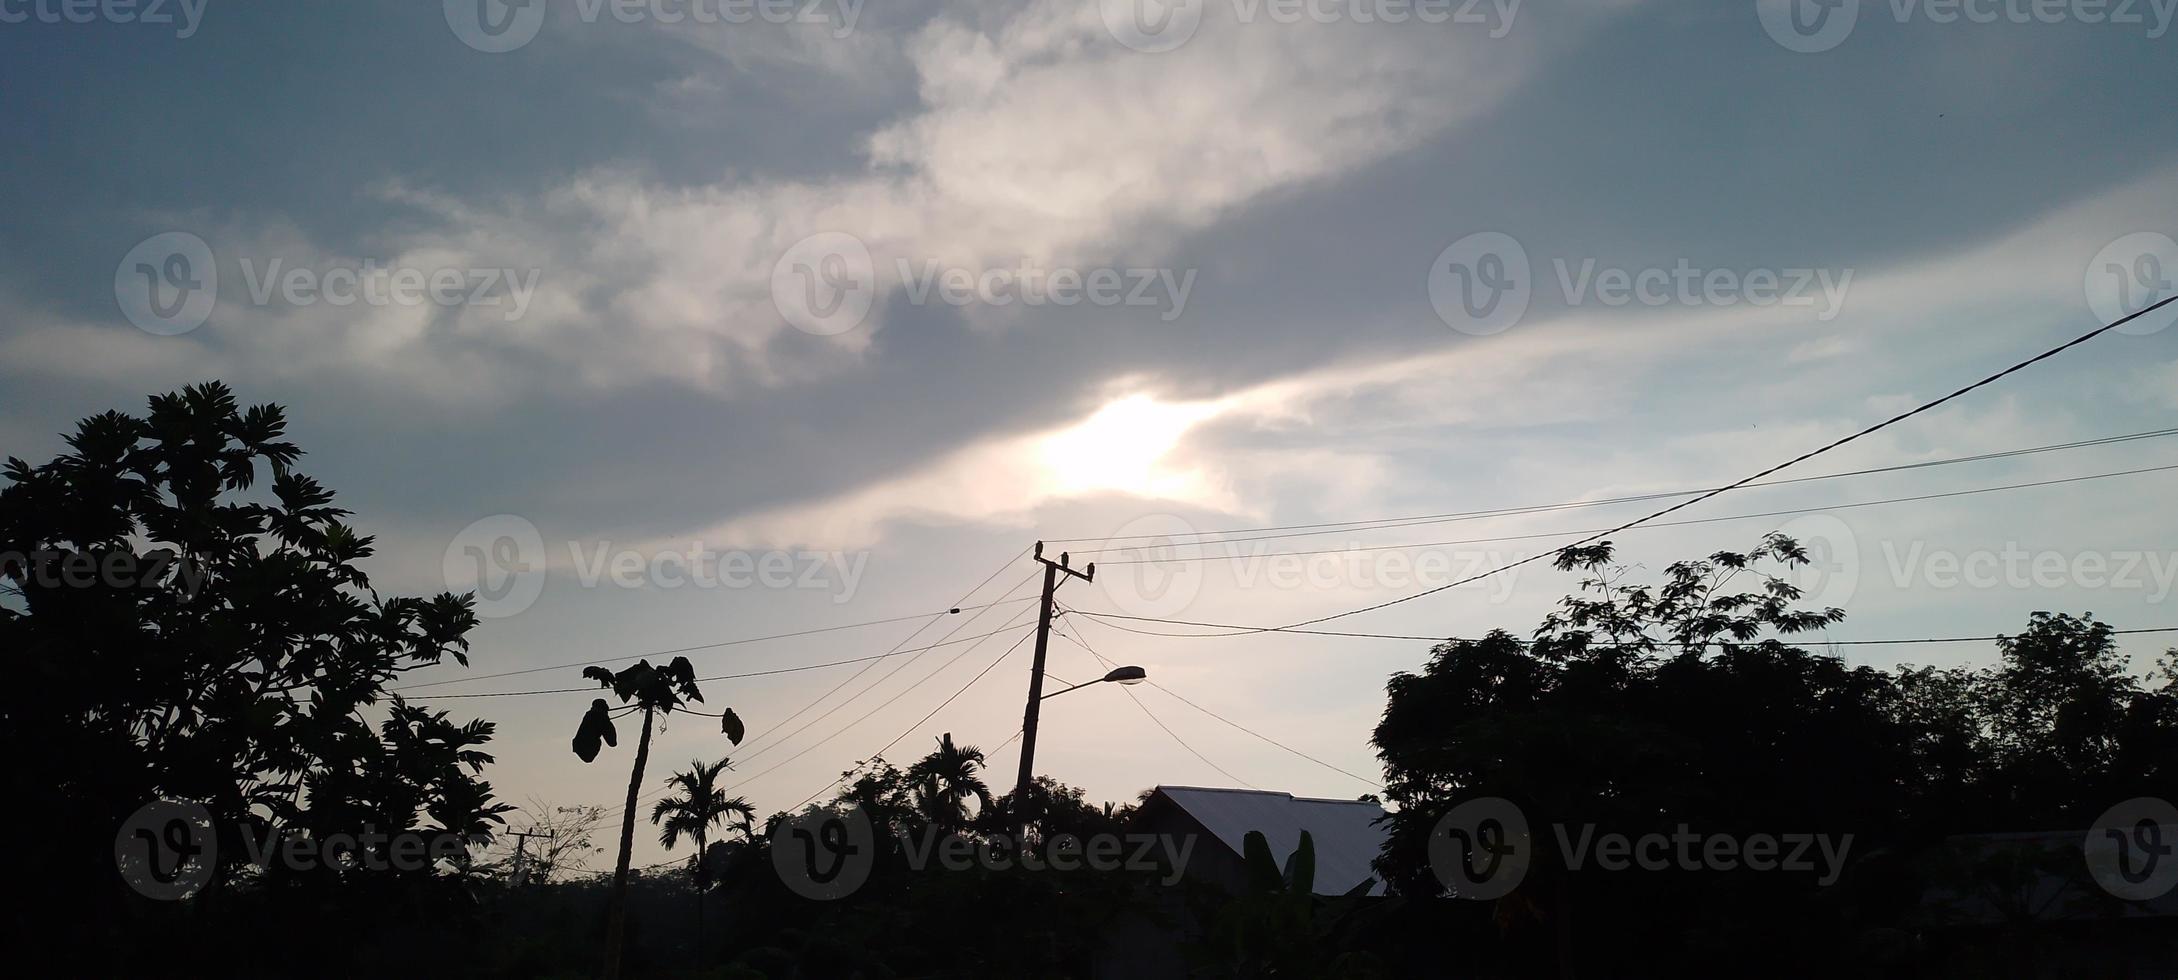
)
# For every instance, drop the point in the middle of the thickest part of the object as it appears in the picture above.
(867, 299)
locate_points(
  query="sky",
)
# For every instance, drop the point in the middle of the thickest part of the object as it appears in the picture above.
(858, 302)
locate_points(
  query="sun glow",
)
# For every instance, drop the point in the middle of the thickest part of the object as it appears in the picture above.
(1122, 446)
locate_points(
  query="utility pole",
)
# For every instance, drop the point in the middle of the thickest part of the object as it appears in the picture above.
(1055, 574)
(521, 853)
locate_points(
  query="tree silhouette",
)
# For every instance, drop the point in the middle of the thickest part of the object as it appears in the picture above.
(691, 813)
(651, 691)
(185, 619)
(945, 780)
(1639, 708)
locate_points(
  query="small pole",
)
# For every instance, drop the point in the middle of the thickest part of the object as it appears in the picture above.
(521, 853)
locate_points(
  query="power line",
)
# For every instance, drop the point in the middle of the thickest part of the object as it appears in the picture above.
(716, 677)
(1159, 722)
(1687, 523)
(987, 668)
(1264, 737)
(965, 596)
(631, 658)
(1803, 457)
(829, 712)
(813, 746)
(1391, 523)
(1237, 630)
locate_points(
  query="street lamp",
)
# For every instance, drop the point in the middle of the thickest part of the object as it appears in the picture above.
(1119, 675)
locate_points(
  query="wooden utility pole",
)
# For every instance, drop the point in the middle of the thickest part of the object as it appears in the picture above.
(521, 848)
(1055, 574)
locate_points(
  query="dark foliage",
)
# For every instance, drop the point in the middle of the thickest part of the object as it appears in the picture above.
(186, 620)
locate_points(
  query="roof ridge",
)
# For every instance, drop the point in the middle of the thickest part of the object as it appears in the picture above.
(1271, 793)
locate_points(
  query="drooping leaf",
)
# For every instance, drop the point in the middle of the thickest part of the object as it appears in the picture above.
(597, 726)
(1262, 868)
(1301, 867)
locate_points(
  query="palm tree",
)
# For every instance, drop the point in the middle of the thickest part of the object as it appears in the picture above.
(652, 691)
(945, 780)
(699, 805)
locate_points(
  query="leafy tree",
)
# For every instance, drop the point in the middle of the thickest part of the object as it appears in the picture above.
(945, 780)
(1637, 708)
(185, 618)
(651, 691)
(561, 836)
(692, 813)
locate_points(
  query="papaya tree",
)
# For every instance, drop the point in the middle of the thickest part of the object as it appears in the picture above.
(649, 691)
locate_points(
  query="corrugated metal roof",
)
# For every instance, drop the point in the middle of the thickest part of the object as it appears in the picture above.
(1344, 832)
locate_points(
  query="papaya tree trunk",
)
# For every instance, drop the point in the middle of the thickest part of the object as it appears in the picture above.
(617, 920)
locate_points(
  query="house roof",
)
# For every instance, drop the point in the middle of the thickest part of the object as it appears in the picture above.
(1345, 832)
